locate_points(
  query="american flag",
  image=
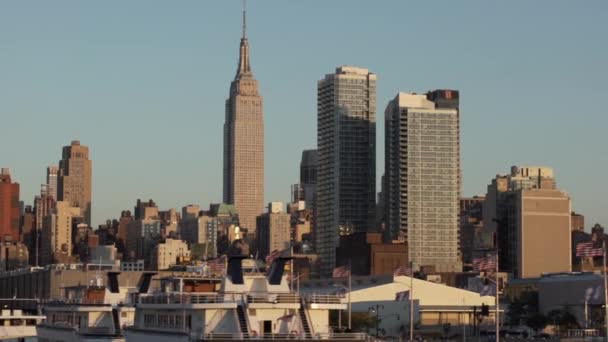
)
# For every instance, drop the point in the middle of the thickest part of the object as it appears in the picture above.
(403, 295)
(488, 290)
(341, 272)
(273, 255)
(402, 271)
(594, 295)
(588, 249)
(217, 265)
(484, 264)
(286, 318)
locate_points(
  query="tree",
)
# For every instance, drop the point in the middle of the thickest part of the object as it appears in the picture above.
(563, 318)
(537, 321)
(197, 250)
(361, 321)
(522, 307)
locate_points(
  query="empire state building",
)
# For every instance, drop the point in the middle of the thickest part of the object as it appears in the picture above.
(244, 142)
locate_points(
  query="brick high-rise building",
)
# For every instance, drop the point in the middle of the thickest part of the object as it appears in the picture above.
(274, 230)
(578, 221)
(13, 256)
(521, 177)
(471, 226)
(244, 142)
(9, 207)
(199, 227)
(169, 222)
(28, 230)
(56, 234)
(346, 173)
(51, 180)
(143, 232)
(422, 177)
(532, 220)
(123, 225)
(74, 178)
(43, 204)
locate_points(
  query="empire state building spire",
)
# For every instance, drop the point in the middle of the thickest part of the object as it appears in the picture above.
(244, 142)
(244, 68)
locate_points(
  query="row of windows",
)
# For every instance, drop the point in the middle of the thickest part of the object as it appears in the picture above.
(430, 117)
(69, 318)
(175, 321)
(446, 167)
(435, 253)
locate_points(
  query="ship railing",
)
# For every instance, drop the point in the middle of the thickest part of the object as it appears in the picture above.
(223, 336)
(93, 330)
(61, 324)
(323, 299)
(96, 330)
(186, 298)
(279, 336)
(282, 337)
(275, 298)
(343, 336)
(134, 297)
(73, 301)
(241, 336)
(254, 273)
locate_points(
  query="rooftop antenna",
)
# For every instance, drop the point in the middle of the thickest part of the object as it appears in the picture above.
(244, 19)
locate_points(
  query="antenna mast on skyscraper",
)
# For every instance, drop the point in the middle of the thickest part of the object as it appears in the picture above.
(244, 18)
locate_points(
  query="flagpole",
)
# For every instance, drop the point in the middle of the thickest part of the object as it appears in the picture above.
(411, 300)
(291, 267)
(605, 291)
(497, 318)
(350, 288)
(586, 314)
(464, 326)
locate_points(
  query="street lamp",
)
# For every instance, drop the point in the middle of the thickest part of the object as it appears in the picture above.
(375, 309)
(500, 223)
(349, 304)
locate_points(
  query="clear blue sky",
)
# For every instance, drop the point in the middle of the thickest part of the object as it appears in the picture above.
(143, 83)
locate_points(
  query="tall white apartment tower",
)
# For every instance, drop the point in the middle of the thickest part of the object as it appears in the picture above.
(346, 142)
(422, 165)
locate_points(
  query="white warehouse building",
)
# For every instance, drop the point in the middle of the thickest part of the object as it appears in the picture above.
(435, 305)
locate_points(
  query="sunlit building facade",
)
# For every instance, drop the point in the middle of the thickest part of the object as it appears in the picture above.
(422, 165)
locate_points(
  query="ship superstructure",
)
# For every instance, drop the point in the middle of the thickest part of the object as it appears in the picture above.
(245, 304)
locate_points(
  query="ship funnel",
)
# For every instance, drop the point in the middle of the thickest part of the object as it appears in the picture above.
(144, 282)
(276, 270)
(112, 281)
(235, 268)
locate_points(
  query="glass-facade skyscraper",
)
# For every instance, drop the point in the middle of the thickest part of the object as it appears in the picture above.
(346, 142)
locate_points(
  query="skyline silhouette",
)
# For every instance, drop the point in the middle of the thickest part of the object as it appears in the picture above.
(143, 84)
